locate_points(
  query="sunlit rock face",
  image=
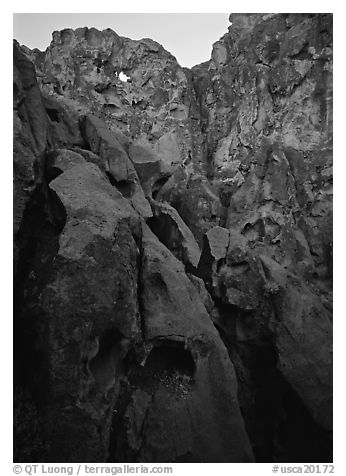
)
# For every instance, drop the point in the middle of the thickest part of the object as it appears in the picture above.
(173, 247)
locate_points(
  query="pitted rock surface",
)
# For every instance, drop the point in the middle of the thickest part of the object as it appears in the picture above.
(173, 247)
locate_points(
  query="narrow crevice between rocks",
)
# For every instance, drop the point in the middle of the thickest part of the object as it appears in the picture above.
(168, 233)
(157, 186)
(140, 257)
(53, 114)
(38, 241)
(118, 447)
(279, 426)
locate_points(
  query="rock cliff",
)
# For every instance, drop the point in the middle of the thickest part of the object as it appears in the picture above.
(173, 247)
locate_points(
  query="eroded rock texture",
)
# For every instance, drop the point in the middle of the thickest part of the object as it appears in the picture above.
(173, 247)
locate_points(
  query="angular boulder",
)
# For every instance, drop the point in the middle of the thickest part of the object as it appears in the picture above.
(186, 410)
(81, 297)
(147, 164)
(116, 161)
(174, 234)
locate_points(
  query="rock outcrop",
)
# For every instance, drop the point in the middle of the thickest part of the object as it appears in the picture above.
(268, 93)
(29, 135)
(173, 247)
(187, 385)
(270, 317)
(174, 234)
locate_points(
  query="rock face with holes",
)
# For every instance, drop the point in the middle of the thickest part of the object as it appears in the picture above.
(266, 101)
(268, 93)
(173, 273)
(81, 70)
(100, 296)
(186, 386)
(91, 322)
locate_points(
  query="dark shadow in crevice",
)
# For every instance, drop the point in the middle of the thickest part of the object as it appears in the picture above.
(158, 185)
(300, 439)
(38, 243)
(169, 368)
(166, 230)
(279, 426)
(125, 187)
(52, 173)
(168, 363)
(107, 365)
(53, 114)
(170, 357)
(38, 239)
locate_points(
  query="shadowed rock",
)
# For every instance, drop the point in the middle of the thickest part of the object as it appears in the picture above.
(96, 250)
(301, 331)
(119, 354)
(174, 234)
(116, 161)
(193, 393)
(29, 137)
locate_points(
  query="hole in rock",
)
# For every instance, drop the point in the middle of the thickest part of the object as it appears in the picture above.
(125, 188)
(169, 366)
(171, 358)
(53, 114)
(158, 185)
(123, 77)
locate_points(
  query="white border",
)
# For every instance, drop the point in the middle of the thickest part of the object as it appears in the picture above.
(136, 6)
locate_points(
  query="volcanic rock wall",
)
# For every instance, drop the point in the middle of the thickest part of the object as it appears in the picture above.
(172, 236)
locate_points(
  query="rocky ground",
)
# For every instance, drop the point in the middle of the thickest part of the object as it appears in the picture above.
(173, 247)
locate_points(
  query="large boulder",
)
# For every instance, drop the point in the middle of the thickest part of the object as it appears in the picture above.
(214, 251)
(61, 160)
(148, 165)
(174, 234)
(186, 406)
(63, 123)
(116, 162)
(121, 335)
(192, 196)
(80, 301)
